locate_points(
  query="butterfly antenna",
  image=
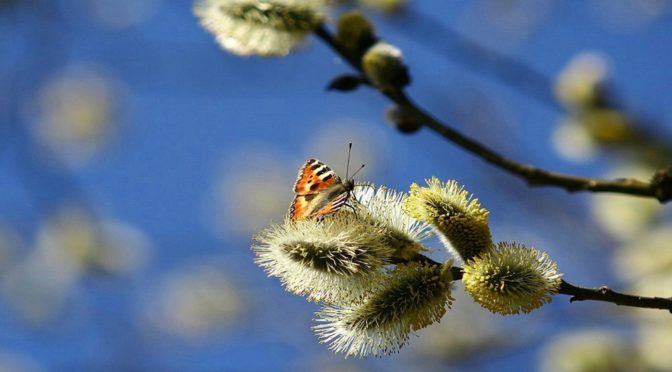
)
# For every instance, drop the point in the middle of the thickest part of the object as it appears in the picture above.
(347, 167)
(360, 168)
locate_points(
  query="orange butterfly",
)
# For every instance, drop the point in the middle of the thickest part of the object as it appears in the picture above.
(319, 191)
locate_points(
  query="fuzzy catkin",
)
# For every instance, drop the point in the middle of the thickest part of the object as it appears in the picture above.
(511, 279)
(338, 260)
(256, 27)
(455, 215)
(414, 297)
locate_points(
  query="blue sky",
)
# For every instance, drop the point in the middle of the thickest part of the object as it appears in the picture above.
(197, 134)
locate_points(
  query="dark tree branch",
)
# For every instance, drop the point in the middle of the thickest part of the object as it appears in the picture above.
(603, 293)
(532, 175)
(607, 295)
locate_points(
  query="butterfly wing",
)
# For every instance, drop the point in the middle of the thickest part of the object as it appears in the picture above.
(301, 206)
(319, 191)
(320, 204)
(314, 176)
(333, 205)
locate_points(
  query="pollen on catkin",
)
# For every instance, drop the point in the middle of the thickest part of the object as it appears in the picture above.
(455, 215)
(259, 27)
(337, 260)
(383, 209)
(511, 279)
(414, 297)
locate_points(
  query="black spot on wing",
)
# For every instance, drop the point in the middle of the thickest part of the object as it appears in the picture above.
(328, 177)
(313, 187)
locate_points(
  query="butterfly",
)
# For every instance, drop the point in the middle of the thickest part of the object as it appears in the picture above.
(319, 191)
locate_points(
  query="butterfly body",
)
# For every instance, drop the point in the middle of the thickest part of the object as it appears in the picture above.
(319, 191)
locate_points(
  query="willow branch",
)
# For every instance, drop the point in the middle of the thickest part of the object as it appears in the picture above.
(603, 294)
(532, 175)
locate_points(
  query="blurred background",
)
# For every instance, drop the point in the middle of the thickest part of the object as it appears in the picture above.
(138, 159)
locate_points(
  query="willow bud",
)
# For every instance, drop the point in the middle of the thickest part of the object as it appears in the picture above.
(384, 66)
(355, 32)
(403, 120)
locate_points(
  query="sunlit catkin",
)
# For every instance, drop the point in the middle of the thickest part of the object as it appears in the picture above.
(382, 208)
(338, 260)
(511, 279)
(458, 218)
(414, 297)
(259, 27)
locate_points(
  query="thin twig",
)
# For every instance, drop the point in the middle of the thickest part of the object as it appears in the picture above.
(603, 293)
(532, 175)
(607, 295)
